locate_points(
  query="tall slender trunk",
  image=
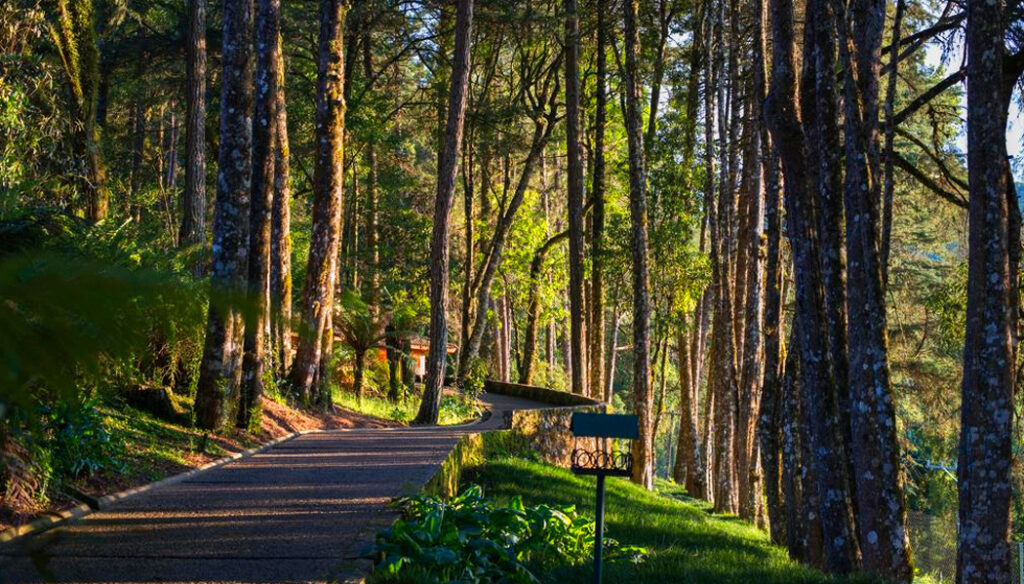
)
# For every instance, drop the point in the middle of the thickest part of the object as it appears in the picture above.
(881, 514)
(470, 250)
(643, 449)
(820, 108)
(684, 471)
(707, 480)
(575, 203)
(750, 368)
(371, 285)
(264, 138)
(771, 411)
(230, 262)
(613, 353)
(193, 216)
(534, 306)
(888, 184)
(990, 344)
(76, 39)
(280, 234)
(308, 372)
(138, 141)
(819, 387)
(597, 326)
(791, 449)
(439, 241)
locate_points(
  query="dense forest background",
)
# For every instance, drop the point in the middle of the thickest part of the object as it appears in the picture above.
(129, 184)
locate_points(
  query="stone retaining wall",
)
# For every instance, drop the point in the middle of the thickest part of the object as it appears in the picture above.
(547, 431)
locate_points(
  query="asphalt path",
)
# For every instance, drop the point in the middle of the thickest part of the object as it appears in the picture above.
(298, 511)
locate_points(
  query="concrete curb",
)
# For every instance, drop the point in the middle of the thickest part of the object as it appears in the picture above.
(15, 535)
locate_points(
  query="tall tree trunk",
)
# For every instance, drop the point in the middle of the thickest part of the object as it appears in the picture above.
(280, 234)
(470, 250)
(230, 261)
(533, 308)
(75, 36)
(751, 366)
(820, 109)
(890, 132)
(708, 438)
(684, 471)
(771, 411)
(264, 144)
(575, 204)
(790, 423)
(193, 215)
(881, 514)
(372, 283)
(328, 177)
(613, 352)
(990, 344)
(829, 466)
(138, 144)
(643, 449)
(666, 12)
(439, 241)
(596, 326)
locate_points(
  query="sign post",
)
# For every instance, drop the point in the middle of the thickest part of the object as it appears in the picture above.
(602, 461)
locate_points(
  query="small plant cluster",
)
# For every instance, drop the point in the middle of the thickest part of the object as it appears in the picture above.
(70, 441)
(475, 540)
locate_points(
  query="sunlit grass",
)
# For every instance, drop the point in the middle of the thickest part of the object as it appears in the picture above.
(153, 447)
(455, 408)
(403, 410)
(686, 542)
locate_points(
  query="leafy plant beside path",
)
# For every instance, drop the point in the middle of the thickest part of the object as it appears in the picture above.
(474, 539)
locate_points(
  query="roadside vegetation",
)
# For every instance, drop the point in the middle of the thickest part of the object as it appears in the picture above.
(491, 533)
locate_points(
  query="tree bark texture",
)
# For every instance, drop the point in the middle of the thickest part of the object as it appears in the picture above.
(575, 203)
(596, 326)
(193, 213)
(643, 449)
(822, 415)
(280, 235)
(264, 145)
(986, 414)
(230, 256)
(881, 514)
(316, 324)
(439, 241)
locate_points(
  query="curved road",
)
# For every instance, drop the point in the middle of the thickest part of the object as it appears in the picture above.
(299, 511)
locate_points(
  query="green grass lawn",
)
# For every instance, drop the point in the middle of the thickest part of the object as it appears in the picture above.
(687, 544)
(455, 408)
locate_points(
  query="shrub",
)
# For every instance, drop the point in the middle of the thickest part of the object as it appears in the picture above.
(474, 377)
(78, 441)
(473, 539)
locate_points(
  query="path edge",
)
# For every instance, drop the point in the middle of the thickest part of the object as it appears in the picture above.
(19, 533)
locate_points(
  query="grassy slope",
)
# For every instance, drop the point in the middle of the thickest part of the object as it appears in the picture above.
(687, 544)
(454, 409)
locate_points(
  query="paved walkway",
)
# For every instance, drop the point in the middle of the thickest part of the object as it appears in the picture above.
(299, 511)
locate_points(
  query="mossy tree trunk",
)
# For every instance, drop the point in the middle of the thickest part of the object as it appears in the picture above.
(308, 374)
(218, 372)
